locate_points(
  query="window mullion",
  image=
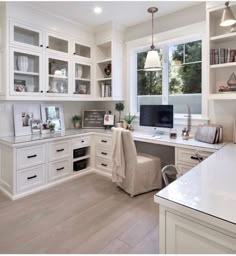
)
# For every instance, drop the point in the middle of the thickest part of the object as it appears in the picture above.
(165, 76)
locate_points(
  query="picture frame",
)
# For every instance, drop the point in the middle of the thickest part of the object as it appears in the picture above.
(23, 114)
(20, 85)
(36, 126)
(53, 113)
(93, 118)
(109, 120)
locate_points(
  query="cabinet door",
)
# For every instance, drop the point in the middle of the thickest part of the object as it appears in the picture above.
(58, 73)
(26, 36)
(82, 79)
(82, 51)
(25, 72)
(57, 44)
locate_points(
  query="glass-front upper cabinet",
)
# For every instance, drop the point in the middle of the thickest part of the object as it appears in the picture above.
(57, 76)
(82, 51)
(27, 36)
(26, 70)
(82, 79)
(57, 44)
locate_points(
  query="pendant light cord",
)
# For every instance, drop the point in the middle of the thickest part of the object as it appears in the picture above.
(152, 46)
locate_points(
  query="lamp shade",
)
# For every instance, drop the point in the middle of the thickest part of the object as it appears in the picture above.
(152, 62)
(228, 18)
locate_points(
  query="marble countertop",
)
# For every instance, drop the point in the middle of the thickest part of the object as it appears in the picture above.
(209, 187)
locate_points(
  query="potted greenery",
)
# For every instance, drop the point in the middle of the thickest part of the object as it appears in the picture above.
(119, 107)
(51, 126)
(128, 121)
(76, 119)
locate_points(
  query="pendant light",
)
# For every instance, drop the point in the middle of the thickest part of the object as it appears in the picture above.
(228, 18)
(152, 62)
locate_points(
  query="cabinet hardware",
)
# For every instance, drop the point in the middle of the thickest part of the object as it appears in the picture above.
(31, 156)
(104, 165)
(47, 47)
(74, 53)
(197, 158)
(59, 169)
(32, 177)
(103, 153)
(41, 91)
(48, 91)
(60, 150)
(105, 141)
(41, 45)
(82, 141)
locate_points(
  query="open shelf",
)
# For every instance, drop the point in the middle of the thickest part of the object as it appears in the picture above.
(104, 79)
(222, 96)
(223, 65)
(59, 77)
(81, 158)
(26, 73)
(224, 38)
(104, 61)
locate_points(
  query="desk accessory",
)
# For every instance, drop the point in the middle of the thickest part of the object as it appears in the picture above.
(109, 120)
(212, 134)
(93, 118)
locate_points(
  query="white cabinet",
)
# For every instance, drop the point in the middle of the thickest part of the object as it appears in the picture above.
(59, 169)
(59, 150)
(26, 36)
(82, 51)
(186, 159)
(26, 76)
(57, 44)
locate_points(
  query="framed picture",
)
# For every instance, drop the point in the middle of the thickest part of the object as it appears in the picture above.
(109, 120)
(53, 113)
(93, 118)
(20, 85)
(23, 115)
(36, 126)
(82, 89)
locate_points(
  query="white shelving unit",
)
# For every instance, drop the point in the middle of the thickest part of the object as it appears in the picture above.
(220, 37)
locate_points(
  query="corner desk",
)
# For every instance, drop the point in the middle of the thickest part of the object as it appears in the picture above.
(32, 163)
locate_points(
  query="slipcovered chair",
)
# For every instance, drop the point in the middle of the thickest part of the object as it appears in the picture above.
(134, 173)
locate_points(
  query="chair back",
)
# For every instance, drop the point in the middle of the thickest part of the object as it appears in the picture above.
(169, 174)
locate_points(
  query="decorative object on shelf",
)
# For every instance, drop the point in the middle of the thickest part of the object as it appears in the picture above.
(106, 89)
(93, 118)
(53, 114)
(79, 71)
(109, 120)
(232, 80)
(76, 119)
(119, 107)
(53, 86)
(23, 115)
(22, 63)
(82, 89)
(227, 18)
(30, 87)
(233, 28)
(152, 62)
(36, 126)
(51, 126)
(222, 55)
(231, 85)
(107, 70)
(127, 124)
(19, 85)
(58, 73)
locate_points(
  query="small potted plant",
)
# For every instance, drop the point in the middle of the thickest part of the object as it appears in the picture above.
(128, 121)
(51, 126)
(76, 119)
(119, 107)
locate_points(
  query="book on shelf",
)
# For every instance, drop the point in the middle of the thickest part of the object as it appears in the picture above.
(106, 90)
(222, 55)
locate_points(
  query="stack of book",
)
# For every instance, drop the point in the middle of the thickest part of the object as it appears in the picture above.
(222, 55)
(209, 133)
(106, 90)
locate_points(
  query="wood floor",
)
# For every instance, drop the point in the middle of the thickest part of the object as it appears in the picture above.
(85, 215)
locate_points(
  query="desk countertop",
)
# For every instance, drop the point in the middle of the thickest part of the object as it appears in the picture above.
(209, 187)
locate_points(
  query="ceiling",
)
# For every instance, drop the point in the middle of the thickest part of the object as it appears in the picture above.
(126, 13)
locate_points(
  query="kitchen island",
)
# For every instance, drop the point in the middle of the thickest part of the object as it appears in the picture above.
(198, 211)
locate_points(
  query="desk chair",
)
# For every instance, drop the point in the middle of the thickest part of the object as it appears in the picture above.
(134, 173)
(169, 174)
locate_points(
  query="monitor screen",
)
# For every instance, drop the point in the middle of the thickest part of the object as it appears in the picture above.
(156, 116)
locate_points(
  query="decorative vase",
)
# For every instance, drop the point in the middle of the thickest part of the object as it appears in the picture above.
(107, 70)
(79, 71)
(22, 63)
(53, 87)
(77, 124)
(232, 80)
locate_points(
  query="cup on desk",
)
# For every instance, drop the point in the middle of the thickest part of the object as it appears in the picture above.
(173, 134)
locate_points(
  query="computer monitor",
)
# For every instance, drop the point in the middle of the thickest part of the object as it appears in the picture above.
(156, 116)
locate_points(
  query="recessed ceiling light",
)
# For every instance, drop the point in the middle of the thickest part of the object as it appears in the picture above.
(97, 10)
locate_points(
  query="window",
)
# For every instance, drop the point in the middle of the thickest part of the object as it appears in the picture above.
(180, 81)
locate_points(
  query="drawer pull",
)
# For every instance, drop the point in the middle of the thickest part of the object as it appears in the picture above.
(31, 156)
(104, 165)
(59, 169)
(197, 158)
(104, 153)
(60, 150)
(82, 141)
(105, 141)
(32, 177)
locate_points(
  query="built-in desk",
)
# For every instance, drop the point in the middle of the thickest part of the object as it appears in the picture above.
(31, 163)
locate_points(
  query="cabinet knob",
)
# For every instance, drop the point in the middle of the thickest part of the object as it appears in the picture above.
(41, 45)
(41, 91)
(47, 91)
(47, 47)
(74, 53)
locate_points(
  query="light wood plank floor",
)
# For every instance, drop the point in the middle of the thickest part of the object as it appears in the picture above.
(85, 215)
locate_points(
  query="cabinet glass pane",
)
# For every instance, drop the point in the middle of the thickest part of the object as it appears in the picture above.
(82, 50)
(26, 36)
(82, 79)
(58, 44)
(82, 87)
(58, 76)
(26, 72)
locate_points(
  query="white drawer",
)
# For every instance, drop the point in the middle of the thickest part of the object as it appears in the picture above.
(81, 142)
(189, 155)
(30, 178)
(30, 156)
(58, 150)
(103, 141)
(59, 169)
(103, 152)
(183, 168)
(103, 164)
